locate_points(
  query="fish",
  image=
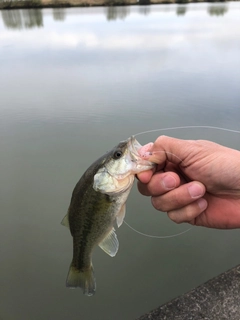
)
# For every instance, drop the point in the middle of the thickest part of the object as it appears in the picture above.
(98, 204)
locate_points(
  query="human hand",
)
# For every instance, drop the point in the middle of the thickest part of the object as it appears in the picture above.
(196, 181)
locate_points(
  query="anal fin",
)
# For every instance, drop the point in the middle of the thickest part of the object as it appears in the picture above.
(110, 243)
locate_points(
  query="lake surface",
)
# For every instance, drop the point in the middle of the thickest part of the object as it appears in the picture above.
(74, 82)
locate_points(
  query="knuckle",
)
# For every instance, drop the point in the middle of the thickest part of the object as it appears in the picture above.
(176, 200)
(189, 213)
(185, 214)
(157, 203)
(167, 202)
(162, 139)
(174, 216)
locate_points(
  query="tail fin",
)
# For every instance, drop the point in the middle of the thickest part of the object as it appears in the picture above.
(82, 279)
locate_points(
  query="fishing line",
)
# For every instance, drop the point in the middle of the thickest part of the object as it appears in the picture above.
(188, 127)
(174, 128)
(157, 237)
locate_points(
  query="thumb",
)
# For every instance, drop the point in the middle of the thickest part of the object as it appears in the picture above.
(165, 148)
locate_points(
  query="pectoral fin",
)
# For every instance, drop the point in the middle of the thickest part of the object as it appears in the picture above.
(110, 243)
(65, 221)
(121, 215)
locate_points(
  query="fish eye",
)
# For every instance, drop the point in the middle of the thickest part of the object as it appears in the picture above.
(117, 154)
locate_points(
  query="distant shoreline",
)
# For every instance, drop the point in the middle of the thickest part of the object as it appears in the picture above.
(29, 4)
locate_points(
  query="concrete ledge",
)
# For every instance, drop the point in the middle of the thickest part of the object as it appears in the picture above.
(217, 299)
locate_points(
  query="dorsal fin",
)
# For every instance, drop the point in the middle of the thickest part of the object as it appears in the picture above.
(65, 221)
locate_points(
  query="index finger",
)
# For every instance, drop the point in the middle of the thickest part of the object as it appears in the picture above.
(145, 176)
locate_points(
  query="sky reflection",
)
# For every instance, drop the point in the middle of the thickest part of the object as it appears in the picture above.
(89, 34)
(155, 47)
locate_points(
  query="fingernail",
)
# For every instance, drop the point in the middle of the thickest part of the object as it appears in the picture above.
(195, 190)
(168, 182)
(202, 203)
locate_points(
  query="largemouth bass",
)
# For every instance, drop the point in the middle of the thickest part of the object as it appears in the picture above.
(98, 201)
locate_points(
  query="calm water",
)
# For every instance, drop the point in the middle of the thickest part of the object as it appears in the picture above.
(74, 82)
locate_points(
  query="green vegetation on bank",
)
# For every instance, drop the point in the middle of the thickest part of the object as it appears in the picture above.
(15, 4)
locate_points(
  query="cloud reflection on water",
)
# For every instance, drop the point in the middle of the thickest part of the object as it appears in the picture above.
(154, 50)
(83, 34)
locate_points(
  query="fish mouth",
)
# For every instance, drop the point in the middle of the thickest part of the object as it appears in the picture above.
(134, 146)
(141, 164)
